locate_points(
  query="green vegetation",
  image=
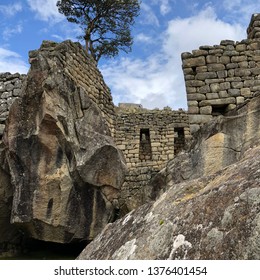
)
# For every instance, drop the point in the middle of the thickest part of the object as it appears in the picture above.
(105, 24)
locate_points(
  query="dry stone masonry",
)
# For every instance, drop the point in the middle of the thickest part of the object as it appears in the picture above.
(148, 139)
(221, 77)
(10, 89)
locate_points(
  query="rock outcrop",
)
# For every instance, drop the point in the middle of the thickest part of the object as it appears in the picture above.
(210, 207)
(219, 143)
(65, 170)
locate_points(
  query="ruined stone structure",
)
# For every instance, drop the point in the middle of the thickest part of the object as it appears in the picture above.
(221, 77)
(148, 139)
(218, 79)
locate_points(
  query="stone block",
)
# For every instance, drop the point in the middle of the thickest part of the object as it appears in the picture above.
(214, 81)
(194, 83)
(246, 92)
(256, 58)
(212, 95)
(249, 83)
(231, 73)
(230, 53)
(243, 64)
(9, 87)
(227, 43)
(240, 99)
(224, 86)
(207, 110)
(196, 96)
(216, 102)
(199, 53)
(232, 65)
(242, 72)
(193, 103)
(6, 94)
(231, 107)
(222, 74)
(237, 84)
(201, 69)
(215, 87)
(204, 89)
(211, 59)
(17, 92)
(241, 47)
(223, 94)
(193, 110)
(199, 119)
(224, 59)
(216, 67)
(206, 75)
(238, 58)
(189, 77)
(234, 92)
(196, 61)
(191, 90)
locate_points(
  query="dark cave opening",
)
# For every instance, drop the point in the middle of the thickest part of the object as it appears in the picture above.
(42, 250)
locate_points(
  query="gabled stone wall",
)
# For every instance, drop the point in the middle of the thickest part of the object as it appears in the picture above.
(221, 77)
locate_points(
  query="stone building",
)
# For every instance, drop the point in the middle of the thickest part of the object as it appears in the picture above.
(221, 77)
(148, 140)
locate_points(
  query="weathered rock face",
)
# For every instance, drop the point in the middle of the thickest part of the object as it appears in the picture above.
(214, 217)
(10, 238)
(209, 203)
(65, 169)
(219, 143)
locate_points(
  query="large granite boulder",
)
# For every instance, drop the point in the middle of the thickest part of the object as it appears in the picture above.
(66, 171)
(213, 217)
(10, 237)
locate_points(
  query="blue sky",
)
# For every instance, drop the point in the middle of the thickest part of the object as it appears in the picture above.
(151, 74)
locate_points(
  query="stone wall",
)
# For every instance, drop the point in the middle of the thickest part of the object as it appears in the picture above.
(219, 78)
(148, 140)
(83, 70)
(10, 89)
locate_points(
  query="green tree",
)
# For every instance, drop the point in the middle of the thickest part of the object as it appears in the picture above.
(105, 23)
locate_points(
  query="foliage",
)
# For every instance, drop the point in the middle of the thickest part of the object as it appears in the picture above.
(105, 23)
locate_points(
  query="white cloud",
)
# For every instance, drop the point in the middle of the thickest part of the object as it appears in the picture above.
(45, 10)
(158, 81)
(11, 9)
(148, 16)
(241, 10)
(202, 29)
(165, 6)
(11, 62)
(143, 38)
(10, 31)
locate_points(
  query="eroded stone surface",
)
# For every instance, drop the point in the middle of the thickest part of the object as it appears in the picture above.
(65, 169)
(214, 217)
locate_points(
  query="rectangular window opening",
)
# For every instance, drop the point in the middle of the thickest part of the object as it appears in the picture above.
(179, 139)
(218, 110)
(145, 148)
